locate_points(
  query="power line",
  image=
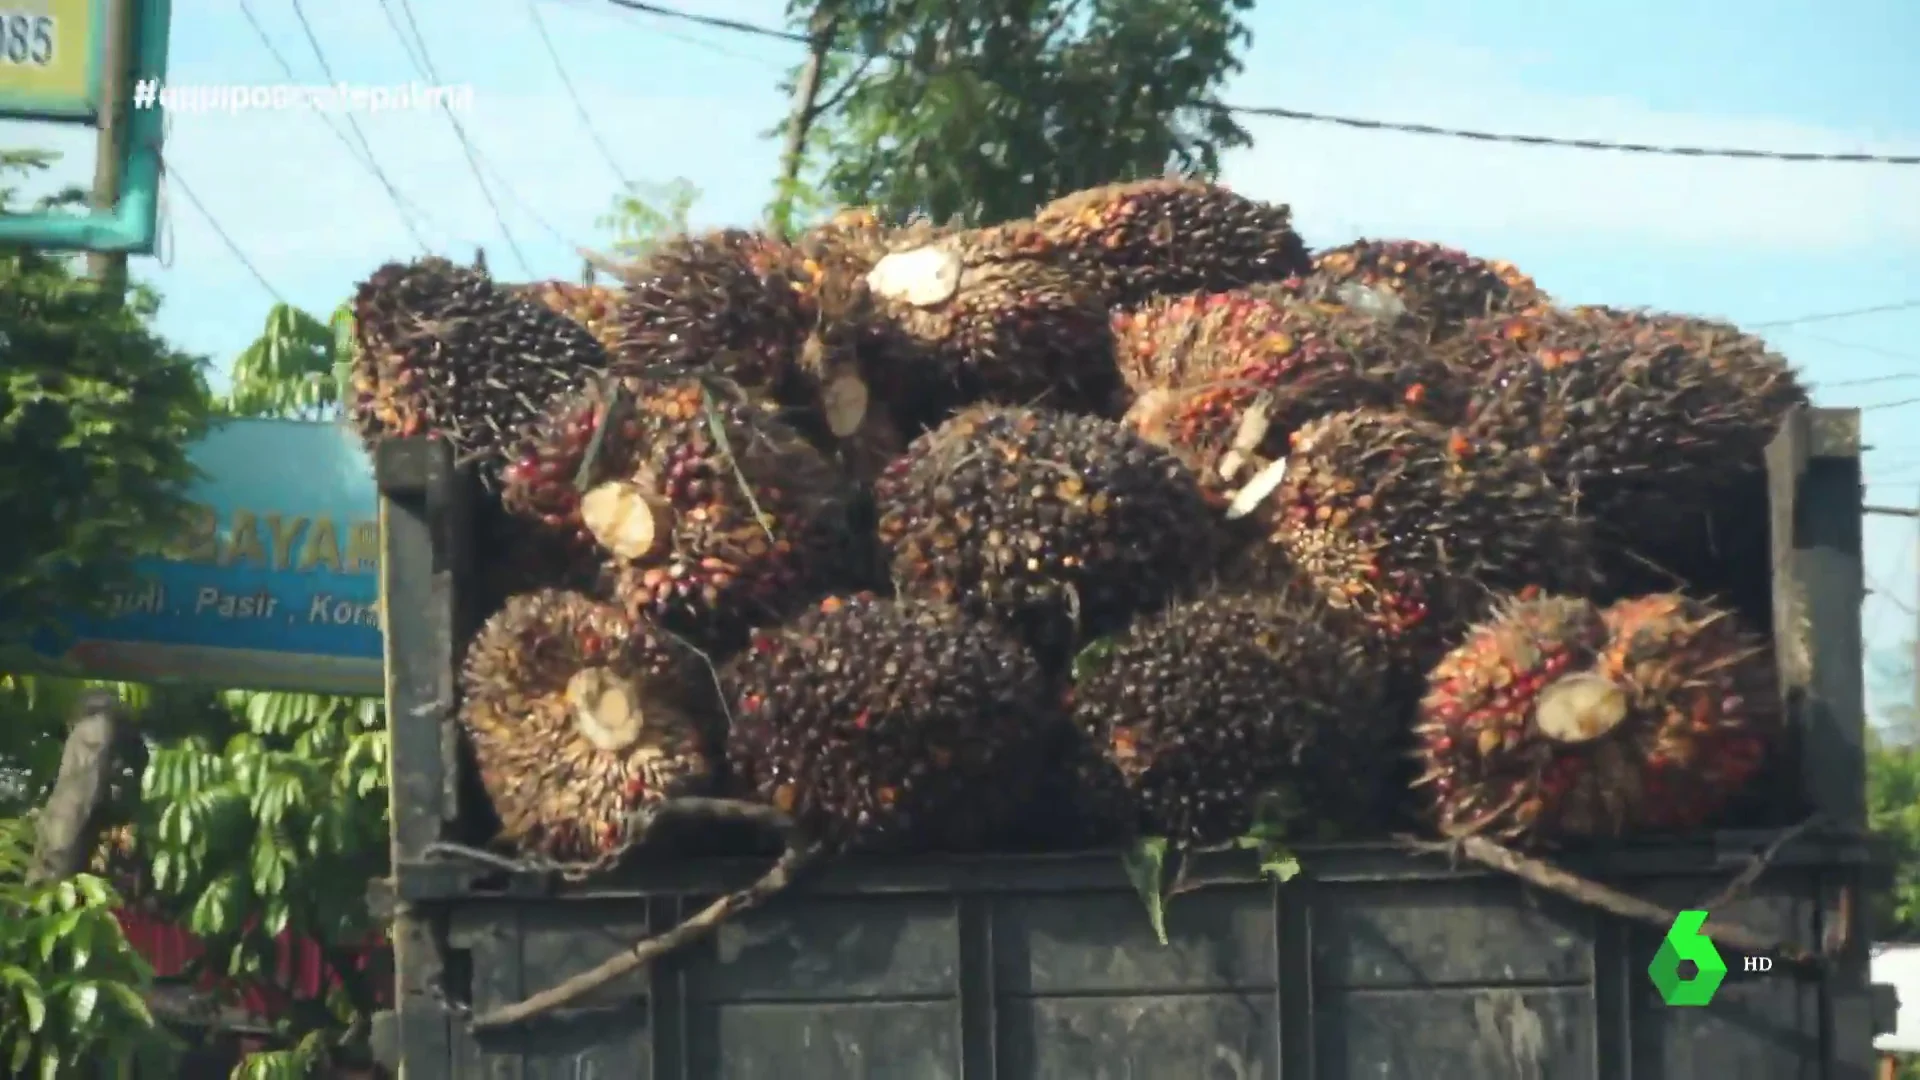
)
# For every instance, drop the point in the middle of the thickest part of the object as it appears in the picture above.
(365, 156)
(1905, 376)
(579, 107)
(1859, 346)
(1362, 123)
(1829, 316)
(170, 173)
(423, 66)
(370, 160)
(466, 144)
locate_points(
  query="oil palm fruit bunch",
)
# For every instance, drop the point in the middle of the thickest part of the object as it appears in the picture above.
(579, 716)
(1660, 423)
(728, 302)
(1237, 374)
(707, 512)
(1152, 237)
(1215, 704)
(595, 307)
(1057, 526)
(1555, 719)
(971, 318)
(882, 724)
(1411, 526)
(441, 350)
(1442, 287)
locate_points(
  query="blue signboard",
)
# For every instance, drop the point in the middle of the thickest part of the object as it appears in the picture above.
(275, 585)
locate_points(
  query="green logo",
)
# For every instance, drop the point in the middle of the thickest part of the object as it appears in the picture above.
(1686, 942)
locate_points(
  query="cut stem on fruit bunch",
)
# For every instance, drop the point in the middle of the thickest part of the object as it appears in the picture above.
(844, 400)
(1580, 890)
(1264, 484)
(797, 857)
(922, 277)
(606, 709)
(627, 518)
(1580, 708)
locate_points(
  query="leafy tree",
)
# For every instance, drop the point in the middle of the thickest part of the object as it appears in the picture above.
(646, 213)
(295, 369)
(979, 111)
(72, 989)
(96, 412)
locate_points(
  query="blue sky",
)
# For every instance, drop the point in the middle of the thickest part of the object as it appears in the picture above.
(1754, 242)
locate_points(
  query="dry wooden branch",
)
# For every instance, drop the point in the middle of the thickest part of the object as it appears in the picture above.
(1757, 866)
(798, 855)
(1580, 890)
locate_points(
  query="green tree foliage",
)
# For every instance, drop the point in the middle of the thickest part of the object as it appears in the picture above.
(979, 111)
(71, 988)
(279, 828)
(646, 213)
(95, 415)
(296, 369)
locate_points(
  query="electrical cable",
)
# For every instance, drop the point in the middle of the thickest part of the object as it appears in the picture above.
(466, 144)
(1363, 123)
(1829, 316)
(370, 159)
(168, 172)
(573, 94)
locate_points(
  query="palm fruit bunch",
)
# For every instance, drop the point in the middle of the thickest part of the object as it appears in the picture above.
(1208, 708)
(1442, 287)
(440, 350)
(1227, 378)
(884, 724)
(1154, 237)
(1555, 720)
(1660, 423)
(1057, 526)
(730, 302)
(1410, 526)
(972, 318)
(706, 512)
(579, 716)
(595, 307)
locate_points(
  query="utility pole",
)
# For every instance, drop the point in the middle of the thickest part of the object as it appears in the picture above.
(109, 268)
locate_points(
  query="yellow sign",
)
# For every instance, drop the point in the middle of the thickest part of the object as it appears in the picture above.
(50, 53)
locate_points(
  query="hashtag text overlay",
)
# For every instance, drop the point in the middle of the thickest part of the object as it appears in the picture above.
(334, 98)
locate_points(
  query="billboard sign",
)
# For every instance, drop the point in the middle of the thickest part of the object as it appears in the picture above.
(51, 53)
(274, 586)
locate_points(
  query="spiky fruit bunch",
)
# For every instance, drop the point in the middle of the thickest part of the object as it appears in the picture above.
(441, 350)
(1412, 526)
(1554, 719)
(595, 307)
(709, 513)
(1206, 709)
(1152, 237)
(1709, 695)
(1440, 286)
(972, 318)
(578, 716)
(1238, 375)
(1659, 422)
(889, 724)
(731, 302)
(1057, 525)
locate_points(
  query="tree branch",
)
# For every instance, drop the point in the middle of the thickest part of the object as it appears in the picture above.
(822, 26)
(798, 856)
(1595, 895)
